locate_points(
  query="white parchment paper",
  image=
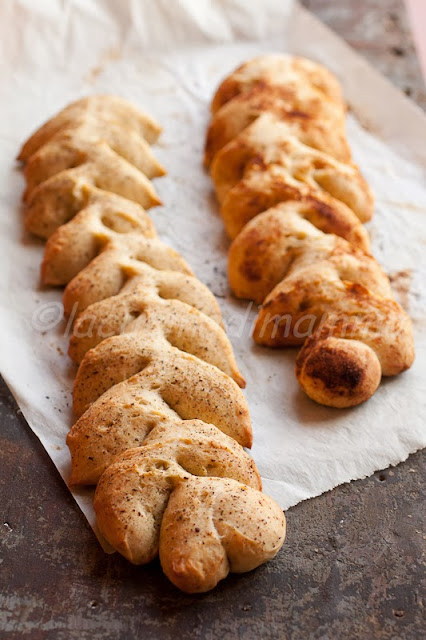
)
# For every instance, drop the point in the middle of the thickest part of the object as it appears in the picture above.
(168, 58)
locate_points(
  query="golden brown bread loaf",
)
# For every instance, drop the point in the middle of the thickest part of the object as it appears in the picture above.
(293, 203)
(161, 418)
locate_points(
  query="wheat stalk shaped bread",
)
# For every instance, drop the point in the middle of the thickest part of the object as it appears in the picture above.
(294, 204)
(161, 420)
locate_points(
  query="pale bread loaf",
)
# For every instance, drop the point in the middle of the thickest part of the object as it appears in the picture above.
(157, 371)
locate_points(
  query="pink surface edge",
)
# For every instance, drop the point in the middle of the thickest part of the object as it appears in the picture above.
(416, 10)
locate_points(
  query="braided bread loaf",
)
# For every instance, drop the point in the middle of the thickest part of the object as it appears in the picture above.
(294, 204)
(161, 417)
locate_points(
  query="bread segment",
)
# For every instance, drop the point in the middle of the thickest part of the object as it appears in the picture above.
(104, 109)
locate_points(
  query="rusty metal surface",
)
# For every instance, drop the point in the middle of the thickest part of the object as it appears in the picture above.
(351, 567)
(379, 30)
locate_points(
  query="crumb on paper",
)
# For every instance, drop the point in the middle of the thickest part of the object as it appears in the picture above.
(362, 119)
(405, 205)
(108, 55)
(401, 283)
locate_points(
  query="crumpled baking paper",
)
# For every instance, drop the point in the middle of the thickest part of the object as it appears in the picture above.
(168, 57)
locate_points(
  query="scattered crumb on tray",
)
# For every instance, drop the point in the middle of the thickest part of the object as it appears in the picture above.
(401, 283)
